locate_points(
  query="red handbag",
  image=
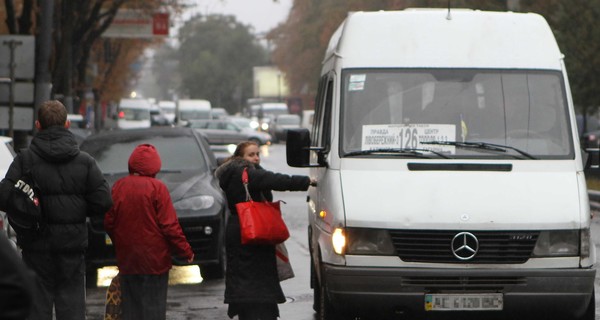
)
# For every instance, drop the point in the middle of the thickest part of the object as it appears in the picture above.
(260, 221)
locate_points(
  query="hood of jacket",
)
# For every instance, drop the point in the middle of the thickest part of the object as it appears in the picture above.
(55, 144)
(223, 172)
(144, 160)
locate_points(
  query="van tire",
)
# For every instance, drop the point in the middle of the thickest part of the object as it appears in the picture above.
(325, 309)
(590, 312)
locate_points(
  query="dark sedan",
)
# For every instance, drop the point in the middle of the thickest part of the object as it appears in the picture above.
(187, 171)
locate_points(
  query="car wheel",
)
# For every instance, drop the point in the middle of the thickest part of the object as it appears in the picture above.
(91, 277)
(214, 271)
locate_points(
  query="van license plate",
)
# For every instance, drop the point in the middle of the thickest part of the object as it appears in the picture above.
(458, 302)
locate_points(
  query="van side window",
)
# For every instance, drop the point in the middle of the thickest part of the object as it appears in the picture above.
(322, 119)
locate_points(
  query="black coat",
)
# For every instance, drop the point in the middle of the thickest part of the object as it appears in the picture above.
(72, 187)
(251, 275)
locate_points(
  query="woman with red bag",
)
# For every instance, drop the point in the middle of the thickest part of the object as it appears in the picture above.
(252, 287)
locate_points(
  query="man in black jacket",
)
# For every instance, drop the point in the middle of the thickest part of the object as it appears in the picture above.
(72, 187)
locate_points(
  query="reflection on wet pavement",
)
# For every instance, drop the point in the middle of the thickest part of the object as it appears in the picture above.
(178, 275)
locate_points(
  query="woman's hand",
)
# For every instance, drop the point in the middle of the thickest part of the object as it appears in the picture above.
(313, 182)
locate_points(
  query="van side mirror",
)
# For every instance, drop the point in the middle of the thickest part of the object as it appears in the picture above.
(298, 148)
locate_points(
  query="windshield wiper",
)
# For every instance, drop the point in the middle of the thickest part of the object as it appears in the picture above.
(481, 145)
(403, 151)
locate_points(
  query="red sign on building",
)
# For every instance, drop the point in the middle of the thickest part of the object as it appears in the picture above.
(160, 24)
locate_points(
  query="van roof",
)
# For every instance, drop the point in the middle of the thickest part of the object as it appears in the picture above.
(135, 104)
(422, 38)
(194, 104)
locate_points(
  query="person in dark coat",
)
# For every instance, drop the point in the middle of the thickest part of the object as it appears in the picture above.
(16, 283)
(72, 188)
(143, 226)
(252, 287)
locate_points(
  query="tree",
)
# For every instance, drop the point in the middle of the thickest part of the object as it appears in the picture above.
(300, 42)
(78, 29)
(216, 57)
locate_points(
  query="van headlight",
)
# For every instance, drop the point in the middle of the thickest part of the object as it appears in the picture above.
(195, 203)
(559, 243)
(369, 242)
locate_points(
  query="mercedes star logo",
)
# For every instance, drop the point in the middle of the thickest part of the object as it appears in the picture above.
(465, 245)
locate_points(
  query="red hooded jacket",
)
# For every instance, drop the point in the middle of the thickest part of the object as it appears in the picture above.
(142, 222)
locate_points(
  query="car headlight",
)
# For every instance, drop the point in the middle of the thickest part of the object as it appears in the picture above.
(254, 124)
(369, 242)
(558, 243)
(362, 242)
(194, 203)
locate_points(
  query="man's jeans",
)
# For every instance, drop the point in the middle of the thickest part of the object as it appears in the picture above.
(144, 296)
(59, 284)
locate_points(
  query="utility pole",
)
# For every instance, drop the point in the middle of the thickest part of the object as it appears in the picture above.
(12, 45)
(43, 46)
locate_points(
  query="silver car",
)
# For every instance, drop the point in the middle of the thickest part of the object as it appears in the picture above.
(225, 132)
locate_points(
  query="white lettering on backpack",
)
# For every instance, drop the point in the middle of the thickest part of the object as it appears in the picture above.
(23, 186)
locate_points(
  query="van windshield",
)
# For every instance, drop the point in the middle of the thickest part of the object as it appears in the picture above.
(441, 109)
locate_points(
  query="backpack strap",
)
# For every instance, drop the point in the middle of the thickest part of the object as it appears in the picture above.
(26, 160)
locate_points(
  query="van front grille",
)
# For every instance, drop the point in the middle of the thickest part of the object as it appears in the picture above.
(435, 246)
(463, 283)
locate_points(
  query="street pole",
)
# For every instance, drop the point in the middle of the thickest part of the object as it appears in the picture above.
(12, 44)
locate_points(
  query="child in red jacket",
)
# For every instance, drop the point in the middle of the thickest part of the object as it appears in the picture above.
(143, 226)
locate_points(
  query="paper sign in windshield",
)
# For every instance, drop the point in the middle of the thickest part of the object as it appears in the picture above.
(409, 136)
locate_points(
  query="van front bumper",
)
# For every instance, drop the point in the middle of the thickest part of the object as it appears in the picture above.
(546, 293)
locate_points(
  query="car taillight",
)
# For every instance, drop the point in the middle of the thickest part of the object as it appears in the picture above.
(121, 115)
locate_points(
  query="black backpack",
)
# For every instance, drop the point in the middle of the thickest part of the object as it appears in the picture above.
(24, 209)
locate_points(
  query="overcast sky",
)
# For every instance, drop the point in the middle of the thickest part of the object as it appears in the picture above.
(263, 15)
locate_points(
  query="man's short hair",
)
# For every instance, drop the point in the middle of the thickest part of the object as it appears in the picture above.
(52, 113)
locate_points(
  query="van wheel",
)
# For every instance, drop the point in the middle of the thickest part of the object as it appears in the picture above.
(214, 271)
(326, 311)
(590, 312)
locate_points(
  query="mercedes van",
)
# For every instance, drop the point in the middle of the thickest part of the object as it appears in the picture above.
(450, 176)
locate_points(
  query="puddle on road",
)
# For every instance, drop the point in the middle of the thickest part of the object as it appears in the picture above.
(178, 275)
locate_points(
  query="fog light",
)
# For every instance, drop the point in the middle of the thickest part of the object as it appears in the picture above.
(208, 230)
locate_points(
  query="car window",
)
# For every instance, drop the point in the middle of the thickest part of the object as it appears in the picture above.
(231, 127)
(178, 153)
(213, 125)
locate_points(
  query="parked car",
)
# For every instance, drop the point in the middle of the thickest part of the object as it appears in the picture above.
(78, 127)
(187, 170)
(591, 139)
(280, 125)
(218, 113)
(225, 131)
(167, 109)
